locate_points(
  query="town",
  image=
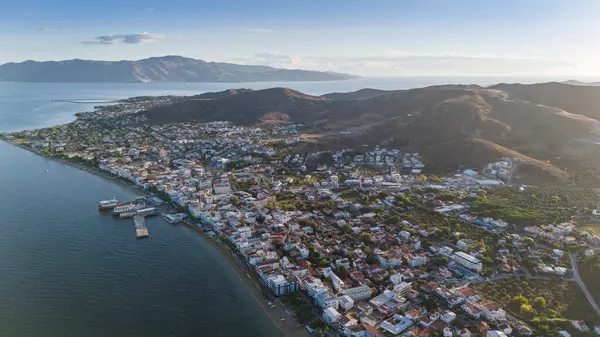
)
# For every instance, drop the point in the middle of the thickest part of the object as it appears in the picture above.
(358, 241)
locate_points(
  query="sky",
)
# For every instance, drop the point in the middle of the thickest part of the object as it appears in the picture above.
(367, 37)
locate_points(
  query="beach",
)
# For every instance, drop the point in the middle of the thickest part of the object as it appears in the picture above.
(288, 326)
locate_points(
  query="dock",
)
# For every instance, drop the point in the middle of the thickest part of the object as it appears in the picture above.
(141, 231)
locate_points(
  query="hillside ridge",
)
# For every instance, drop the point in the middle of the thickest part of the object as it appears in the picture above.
(155, 69)
(451, 125)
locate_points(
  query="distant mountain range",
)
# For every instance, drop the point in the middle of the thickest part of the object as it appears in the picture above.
(155, 69)
(549, 126)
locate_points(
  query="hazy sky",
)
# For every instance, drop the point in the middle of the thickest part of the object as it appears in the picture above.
(367, 37)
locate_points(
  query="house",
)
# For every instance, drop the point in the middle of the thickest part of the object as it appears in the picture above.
(533, 230)
(445, 251)
(396, 279)
(465, 333)
(346, 302)
(396, 325)
(491, 310)
(468, 294)
(448, 316)
(462, 244)
(347, 321)
(495, 333)
(580, 326)
(471, 310)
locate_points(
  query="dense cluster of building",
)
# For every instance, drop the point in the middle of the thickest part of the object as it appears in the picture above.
(314, 223)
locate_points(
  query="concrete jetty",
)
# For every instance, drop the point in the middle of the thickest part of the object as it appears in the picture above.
(141, 231)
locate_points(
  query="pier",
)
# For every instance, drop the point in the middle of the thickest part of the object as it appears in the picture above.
(141, 231)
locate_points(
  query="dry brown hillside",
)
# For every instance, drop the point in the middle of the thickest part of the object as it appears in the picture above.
(451, 125)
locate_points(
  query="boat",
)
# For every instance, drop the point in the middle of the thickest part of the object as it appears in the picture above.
(126, 208)
(108, 204)
(147, 211)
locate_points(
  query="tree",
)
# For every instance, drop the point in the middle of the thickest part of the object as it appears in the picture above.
(317, 324)
(527, 310)
(235, 201)
(393, 219)
(529, 241)
(539, 303)
(442, 261)
(366, 237)
(341, 271)
(519, 300)
(545, 329)
(445, 231)
(487, 260)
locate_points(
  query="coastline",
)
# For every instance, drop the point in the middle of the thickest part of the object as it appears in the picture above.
(288, 327)
(96, 172)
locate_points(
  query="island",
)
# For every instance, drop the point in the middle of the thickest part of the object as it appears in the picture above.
(367, 238)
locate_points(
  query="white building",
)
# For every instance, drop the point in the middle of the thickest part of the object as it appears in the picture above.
(495, 333)
(330, 315)
(448, 316)
(346, 302)
(491, 310)
(221, 186)
(468, 261)
(402, 288)
(360, 293)
(417, 261)
(335, 280)
(445, 251)
(279, 284)
(396, 325)
(396, 279)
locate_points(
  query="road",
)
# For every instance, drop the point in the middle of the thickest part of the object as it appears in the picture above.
(577, 279)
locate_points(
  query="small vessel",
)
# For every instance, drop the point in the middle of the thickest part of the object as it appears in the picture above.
(108, 204)
(147, 211)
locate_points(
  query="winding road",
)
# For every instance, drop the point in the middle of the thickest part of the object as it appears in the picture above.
(577, 279)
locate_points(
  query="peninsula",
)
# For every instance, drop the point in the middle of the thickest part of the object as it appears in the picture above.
(373, 213)
(156, 69)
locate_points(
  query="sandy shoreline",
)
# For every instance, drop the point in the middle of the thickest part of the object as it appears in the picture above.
(288, 327)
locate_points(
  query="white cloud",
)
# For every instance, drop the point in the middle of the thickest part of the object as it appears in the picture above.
(125, 38)
(410, 64)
